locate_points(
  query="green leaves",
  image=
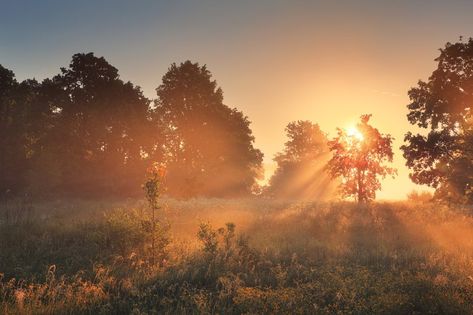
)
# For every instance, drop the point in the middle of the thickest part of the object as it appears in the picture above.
(443, 157)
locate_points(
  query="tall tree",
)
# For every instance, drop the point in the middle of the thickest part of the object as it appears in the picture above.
(359, 159)
(45, 135)
(299, 173)
(103, 135)
(443, 158)
(209, 145)
(12, 139)
(25, 118)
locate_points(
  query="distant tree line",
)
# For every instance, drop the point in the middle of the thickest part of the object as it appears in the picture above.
(87, 133)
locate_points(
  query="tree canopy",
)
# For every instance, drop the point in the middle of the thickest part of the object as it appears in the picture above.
(360, 158)
(82, 132)
(299, 173)
(12, 131)
(86, 133)
(442, 157)
(102, 124)
(209, 145)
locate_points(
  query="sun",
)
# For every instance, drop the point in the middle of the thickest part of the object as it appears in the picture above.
(352, 131)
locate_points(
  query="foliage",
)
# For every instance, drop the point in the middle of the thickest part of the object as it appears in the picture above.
(157, 230)
(420, 197)
(154, 184)
(105, 123)
(209, 145)
(360, 159)
(87, 133)
(299, 173)
(443, 158)
(14, 131)
(83, 132)
(322, 258)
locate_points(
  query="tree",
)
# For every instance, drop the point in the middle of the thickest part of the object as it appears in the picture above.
(209, 145)
(359, 159)
(443, 158)
(25, 118)
(12, 156)
(45, 136)
(102, 138)
(157, 231)
(299, 173)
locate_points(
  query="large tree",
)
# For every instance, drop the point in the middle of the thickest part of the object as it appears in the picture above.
(209, 145)
(102, 138)
(360, 158)
(299, 173)
(12, 134)
(22, 124)
(442, 157)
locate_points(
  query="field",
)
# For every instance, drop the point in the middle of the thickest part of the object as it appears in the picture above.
(84, 257)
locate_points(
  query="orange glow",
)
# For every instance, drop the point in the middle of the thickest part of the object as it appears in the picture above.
(352, 131)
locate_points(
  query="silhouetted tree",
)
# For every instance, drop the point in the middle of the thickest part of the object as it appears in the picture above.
(299, 173)
(359, 160)
(42, 117)
(209, 145)
(12, 134)
(102, 138)
(25, 118)
(443, 158)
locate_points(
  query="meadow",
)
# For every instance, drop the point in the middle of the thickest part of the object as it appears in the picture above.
(245, 256)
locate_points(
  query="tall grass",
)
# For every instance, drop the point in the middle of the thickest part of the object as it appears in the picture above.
(274, 257)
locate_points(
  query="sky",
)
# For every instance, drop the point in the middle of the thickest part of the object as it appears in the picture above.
(277, 61)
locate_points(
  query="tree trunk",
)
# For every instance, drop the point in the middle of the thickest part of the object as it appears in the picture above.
(361, 198)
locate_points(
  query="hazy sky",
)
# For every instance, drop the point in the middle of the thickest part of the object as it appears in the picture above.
(277, 61)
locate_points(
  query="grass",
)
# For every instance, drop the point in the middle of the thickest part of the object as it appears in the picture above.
(78, 257)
